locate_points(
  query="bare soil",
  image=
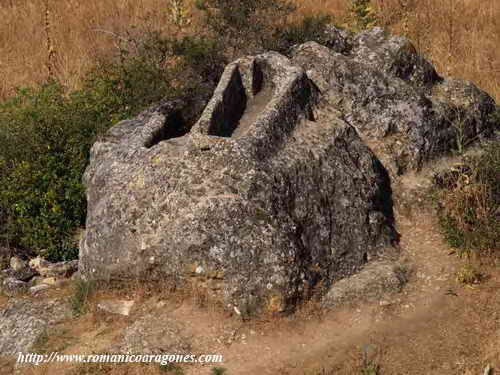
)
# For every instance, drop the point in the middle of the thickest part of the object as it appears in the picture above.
(436, 325)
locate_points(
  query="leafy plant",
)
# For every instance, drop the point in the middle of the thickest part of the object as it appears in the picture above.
(45, 138)
(370, 370)
(172, 368)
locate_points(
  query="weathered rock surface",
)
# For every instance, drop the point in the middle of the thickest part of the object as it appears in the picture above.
(59, 269)
(274, 192)
(155, 334)
(406, 112)
(19, 270)
(372, 282)
(22, 322)
(12, 287)
(7, 253)
(268, 193)
(17, 264)
(22, 275)
(39, 288)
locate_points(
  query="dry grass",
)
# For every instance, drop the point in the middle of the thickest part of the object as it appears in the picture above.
(461, 37)
(79, 32)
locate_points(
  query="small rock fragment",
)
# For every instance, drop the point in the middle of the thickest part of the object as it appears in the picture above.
(59, 269)
(38, 288)
(116, 306)
(17, 263)
(12, 286)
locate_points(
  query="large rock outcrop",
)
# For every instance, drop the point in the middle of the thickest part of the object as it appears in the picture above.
(275, 191)
(403, 109)
(267, 197)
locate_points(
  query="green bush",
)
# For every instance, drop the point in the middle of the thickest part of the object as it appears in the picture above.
(202, 62)
(45, 137)
(468, 201)
(218, 370)
(244, 26)
(46, 134)
(363, 15)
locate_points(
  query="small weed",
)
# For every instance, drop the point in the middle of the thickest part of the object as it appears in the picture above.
(218, 371)
(82, 292)
(40, 342)
(171, 368)
(371, 369)
(469, 275)
(369, 366)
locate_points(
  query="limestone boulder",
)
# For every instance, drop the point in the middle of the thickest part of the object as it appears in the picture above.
(271, 194)
(375, 280)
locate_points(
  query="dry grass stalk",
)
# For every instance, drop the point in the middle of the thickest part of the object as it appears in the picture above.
(179, 14)
(472, 39)
(51, 51)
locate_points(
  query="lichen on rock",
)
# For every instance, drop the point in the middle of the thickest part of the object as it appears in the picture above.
(266, 189)
(283, 185)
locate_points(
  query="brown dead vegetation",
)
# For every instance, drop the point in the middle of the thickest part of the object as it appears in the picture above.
(40, 38)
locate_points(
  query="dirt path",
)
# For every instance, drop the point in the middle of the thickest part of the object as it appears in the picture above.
(434, 326)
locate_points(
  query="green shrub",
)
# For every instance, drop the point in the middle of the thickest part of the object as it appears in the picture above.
(45, 137)
(310, 28)
(202, 61)
(138, 76)
(468, 201)
(363, 15)
(46, 134)
(150, 67)
(171, 368)
(244, 26)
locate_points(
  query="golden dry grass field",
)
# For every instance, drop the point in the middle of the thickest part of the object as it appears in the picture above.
(461, 37)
